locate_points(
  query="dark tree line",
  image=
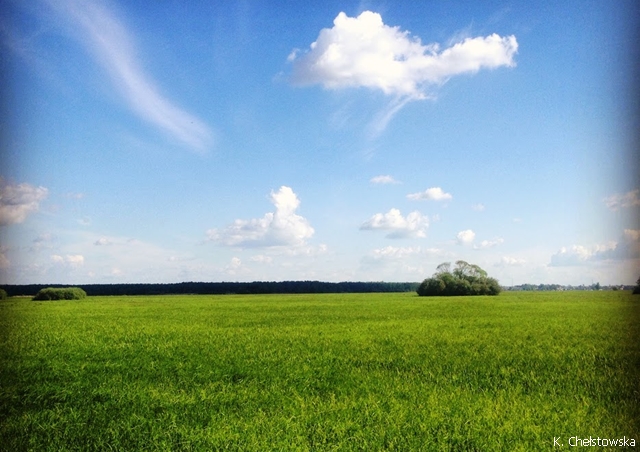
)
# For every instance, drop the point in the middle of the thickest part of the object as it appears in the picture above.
(222, 288)
(464, 279)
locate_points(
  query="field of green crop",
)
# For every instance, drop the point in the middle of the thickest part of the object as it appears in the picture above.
(319, 372)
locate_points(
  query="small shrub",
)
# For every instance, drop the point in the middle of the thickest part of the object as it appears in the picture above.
(60, 293)
(3, 294)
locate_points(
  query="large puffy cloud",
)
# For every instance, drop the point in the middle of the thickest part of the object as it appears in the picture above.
(431, 194)
(627, 247)
(629, 199)
(413, 226)
(280, 228)
(364, 52)
(18, 201)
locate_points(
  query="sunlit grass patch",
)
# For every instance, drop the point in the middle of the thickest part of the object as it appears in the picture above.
(318, 372)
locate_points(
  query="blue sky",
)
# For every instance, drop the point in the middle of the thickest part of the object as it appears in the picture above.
(258, 140)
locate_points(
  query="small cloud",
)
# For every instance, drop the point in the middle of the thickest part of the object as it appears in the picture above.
(392, 252)
(432, 194)
(507, 261)
(488, 244)
(4, 261)
(478, 207)
(261, 259)
(43, 241)
(465, 237)
(632, 235)
(70, 260)
(18, 201)
(413, 226)
(627, 247)
(383, 180)
(115, 271)
(307, 250)
(280, 228)
(103, 241)
(629, 199)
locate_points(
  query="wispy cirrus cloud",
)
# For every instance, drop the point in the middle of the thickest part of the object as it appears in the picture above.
(111, 44)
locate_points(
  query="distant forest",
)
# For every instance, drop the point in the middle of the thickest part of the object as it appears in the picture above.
(222, 288)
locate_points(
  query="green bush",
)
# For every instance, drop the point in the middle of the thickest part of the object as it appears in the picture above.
(60, 293)
(465, 279)
(3, 294)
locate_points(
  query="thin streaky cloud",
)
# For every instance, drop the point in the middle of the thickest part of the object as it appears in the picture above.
(111, 44)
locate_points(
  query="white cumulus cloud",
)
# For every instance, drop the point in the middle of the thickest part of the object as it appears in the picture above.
(431, 194)
(18, 201)
(465, 237)
(364, 52)
(280, 228)
(413, 226)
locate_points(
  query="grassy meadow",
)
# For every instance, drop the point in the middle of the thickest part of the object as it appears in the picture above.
(319, 372)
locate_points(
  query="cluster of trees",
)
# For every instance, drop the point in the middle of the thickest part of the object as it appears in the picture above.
(463, 279)
(3, 294)
(222, 288)
(60, 293)
(636, 289)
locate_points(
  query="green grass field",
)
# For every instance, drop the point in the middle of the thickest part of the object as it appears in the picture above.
(319, 372)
